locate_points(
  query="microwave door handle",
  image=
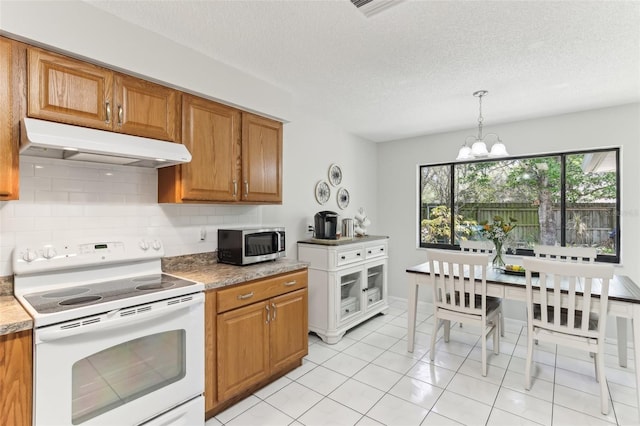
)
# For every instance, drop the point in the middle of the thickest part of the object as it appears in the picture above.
(113, 321)
(279, 241)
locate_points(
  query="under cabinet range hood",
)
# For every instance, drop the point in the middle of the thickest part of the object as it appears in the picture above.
(54, 140)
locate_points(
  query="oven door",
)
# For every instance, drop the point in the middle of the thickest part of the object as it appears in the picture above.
(120, 368)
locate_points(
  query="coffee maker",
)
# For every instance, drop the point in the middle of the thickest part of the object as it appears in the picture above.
(326, 225)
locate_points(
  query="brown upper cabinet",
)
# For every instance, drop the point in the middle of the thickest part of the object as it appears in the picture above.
(237, 157)
(70, 91)
(11, 85)
(261, 159)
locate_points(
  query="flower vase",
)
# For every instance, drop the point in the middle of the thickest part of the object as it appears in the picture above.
(498, 262)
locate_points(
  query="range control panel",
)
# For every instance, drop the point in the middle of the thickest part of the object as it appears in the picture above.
(77, 254)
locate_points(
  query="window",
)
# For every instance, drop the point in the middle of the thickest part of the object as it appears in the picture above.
(568, 199)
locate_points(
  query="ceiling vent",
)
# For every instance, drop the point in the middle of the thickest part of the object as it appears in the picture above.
(373, 7)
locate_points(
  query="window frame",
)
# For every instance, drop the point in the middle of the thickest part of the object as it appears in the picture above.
(609, 258)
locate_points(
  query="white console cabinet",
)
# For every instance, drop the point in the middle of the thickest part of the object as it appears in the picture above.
(347, 283)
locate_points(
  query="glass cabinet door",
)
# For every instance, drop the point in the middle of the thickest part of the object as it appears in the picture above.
(350, 293)
(375, 284)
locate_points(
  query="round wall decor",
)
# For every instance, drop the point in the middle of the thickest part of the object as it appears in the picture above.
(322, 192)
(335, 174)
(343, 198)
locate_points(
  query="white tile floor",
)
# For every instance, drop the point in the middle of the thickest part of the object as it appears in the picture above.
(369, 378)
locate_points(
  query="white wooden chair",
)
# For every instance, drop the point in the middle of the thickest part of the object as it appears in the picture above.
(479, 246)
(566, 254)
(581, 320)
(459, 282)
(485, 247)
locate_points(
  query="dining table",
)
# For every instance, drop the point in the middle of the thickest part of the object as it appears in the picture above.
(624, 304)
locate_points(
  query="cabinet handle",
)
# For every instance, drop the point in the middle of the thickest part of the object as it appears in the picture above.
(290, 283)
(235, 187)
(245, 296)
(358, 254)
(343, 257)
(108, 109)
(273, 317)
(246, 188)
(120, 115)
(267, 308)
(364, 289)
(381, 249)
(369, 252)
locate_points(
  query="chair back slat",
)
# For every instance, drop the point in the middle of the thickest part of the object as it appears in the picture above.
(566, 254)
(459, 277)
(566, 290)
(571, 304)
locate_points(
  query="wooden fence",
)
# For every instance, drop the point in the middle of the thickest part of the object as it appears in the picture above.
(587, 223)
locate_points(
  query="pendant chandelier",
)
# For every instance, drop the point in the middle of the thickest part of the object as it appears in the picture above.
(478, 148)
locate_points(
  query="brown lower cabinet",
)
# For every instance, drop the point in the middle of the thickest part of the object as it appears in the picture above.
(16, 366)
(255, 333)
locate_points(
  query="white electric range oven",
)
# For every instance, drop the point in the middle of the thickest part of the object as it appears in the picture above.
(116, 341)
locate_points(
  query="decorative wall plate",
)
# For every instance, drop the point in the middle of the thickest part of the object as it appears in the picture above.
(323, 192)
(343, 198)
(335, 174)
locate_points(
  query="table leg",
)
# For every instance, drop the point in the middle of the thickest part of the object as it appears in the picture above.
(621, 325)
(635, 325)
(413, 303)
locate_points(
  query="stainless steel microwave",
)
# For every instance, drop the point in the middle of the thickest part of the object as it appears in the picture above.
(244, 246)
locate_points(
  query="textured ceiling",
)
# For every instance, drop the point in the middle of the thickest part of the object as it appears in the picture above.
(412, 69)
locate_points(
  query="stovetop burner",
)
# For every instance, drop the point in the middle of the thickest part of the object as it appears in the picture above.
(61, 300)
(83, 300)
(155, 286)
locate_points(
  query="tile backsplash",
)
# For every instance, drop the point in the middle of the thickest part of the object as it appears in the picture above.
(69, 200)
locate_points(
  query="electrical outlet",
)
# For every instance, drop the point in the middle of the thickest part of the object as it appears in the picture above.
(203, 234)
(309, 228)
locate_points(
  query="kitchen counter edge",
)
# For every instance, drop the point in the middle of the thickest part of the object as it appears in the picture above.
(344, 241)
(14, 318)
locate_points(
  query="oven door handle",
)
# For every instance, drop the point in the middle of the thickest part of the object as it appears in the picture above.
(111, 320)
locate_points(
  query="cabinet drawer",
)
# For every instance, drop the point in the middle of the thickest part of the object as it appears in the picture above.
(351, 256)
(375, 251)
(256, 291)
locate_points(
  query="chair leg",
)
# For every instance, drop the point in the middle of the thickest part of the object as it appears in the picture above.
(529, 361)
(604, 392)
(434, 336)
(595, 364)
(496, 338)
(484, 353)
(501, 324)
(447, 330)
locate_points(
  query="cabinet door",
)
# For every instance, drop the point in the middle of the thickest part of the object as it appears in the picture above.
(376, 284)
(16, 378)
(9, 164)
(261, 159)
(211, 132)
(350, 289)
(69, 91)
(243, 349)
(210, 344)
(289, 328)
(146, 109)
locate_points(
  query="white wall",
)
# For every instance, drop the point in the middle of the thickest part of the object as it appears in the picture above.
(310, 147)
(398, 184)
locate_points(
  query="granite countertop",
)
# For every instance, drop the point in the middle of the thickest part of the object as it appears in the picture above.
(216, 275)
(344, 241)
(14, 318)
(198, 267)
